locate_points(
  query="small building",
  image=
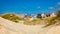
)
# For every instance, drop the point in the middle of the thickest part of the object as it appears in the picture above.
(21, 15)
(43, 15)
(27, 17)
(52, 15)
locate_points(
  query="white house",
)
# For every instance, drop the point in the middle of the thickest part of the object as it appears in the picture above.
(43, 15)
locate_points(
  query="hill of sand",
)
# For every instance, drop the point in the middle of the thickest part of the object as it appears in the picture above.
(9, 27)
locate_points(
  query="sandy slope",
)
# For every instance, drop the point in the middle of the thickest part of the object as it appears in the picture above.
(9, 27)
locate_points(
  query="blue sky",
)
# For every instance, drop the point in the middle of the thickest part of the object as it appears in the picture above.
(29, 6)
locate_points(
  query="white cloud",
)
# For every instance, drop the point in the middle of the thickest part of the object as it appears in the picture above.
(58, 3)
(51, 7)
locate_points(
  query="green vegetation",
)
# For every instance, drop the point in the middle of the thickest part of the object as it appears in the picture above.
(50, 21)
(55, 20)
(58, 14)
(12, 17)
(33, 22)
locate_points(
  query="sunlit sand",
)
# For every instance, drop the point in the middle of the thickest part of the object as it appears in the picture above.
(8, 27)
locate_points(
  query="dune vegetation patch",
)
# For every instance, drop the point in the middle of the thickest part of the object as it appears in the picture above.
(36, 21)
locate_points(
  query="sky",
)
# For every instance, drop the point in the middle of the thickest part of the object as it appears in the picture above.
(29, 6)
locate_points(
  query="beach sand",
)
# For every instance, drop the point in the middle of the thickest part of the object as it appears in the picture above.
(8, 27)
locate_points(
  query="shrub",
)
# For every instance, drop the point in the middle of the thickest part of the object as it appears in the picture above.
(12, 17)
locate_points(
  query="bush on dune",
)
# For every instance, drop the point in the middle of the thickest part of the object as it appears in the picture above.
(53, 20)
(12, 17)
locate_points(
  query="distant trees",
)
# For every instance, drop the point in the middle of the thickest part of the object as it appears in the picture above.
(39, 16)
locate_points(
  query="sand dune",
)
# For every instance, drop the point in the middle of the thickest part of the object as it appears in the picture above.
(9, 27)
